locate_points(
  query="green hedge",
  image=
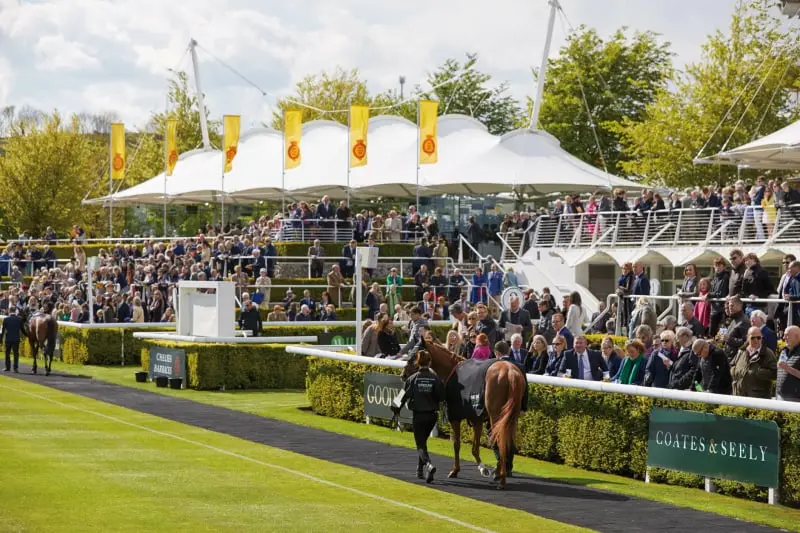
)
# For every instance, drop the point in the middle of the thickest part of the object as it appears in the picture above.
(81, 346)
(605, 432)
(236, 366)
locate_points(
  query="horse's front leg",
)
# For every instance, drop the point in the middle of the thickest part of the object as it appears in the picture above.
(455, 434)
(477, 432)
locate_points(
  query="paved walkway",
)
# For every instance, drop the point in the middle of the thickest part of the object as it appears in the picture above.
(569, 502)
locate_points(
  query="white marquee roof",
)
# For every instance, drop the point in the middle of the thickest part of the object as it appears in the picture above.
(471, 161)
(778, 150)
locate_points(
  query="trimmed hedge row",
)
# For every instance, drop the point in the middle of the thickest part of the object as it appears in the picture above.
(236, 366)
(102, 347)
(604, 432)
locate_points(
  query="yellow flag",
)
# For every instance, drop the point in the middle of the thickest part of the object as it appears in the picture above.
(292, 131)
(117, 151)
(230, 144)
(172, 145)
(428, 142)
(359, 120)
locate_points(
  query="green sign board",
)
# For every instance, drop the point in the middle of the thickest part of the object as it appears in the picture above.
(167, 362)
(739, 449)
(379, 391)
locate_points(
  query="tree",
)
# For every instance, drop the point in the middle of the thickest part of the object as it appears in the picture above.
(739, 90)
(596, 82)
(459, 87)
(324, 96)
(468, 93)
(45, 173)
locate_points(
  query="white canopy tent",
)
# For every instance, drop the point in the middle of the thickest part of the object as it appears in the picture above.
(471, 161)
(779, 150)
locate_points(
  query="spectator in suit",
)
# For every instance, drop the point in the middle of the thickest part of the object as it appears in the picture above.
(690, 321)
(518, 354)
(315, 254)
(714, 374)
(13, 329)
(685, 368)
(791, 292)
(632, 369)
(560, 329)
(270, 253)
(348, 262)
(515, 319)
(783, 286)
(641, 283)
(256, 263)
(583, 363)
(325, 209)
(758, 319)
(277, 315)
(305, 314)
(736, 258)
(736, 336)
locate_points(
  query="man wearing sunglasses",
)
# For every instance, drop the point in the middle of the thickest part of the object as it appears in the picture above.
(754, 367)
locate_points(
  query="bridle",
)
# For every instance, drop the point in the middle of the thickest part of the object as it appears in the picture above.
(454, 359)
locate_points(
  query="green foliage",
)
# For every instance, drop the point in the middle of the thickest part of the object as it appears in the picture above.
(47, 168)
(604, 432)
(468, 94)
(618, 77)
(236, 366)
(739, 84)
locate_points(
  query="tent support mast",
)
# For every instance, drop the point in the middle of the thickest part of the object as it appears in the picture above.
(537, 102)
(201, 103)
(418, 135)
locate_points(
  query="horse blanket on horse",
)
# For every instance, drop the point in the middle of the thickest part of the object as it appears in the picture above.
(465, 390)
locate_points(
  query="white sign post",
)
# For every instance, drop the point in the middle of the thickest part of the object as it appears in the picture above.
(91, 265)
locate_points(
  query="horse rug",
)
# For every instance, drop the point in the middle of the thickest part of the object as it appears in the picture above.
(466, 388)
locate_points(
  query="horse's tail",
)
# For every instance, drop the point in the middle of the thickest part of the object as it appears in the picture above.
(504, 429)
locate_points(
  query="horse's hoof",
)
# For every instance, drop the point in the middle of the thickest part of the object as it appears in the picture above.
(453, 474)
(502, 486)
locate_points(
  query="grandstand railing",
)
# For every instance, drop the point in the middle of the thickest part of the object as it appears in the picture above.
(680, 227)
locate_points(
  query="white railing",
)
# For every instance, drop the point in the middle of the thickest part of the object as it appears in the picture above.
(675, 300)
(738, 226)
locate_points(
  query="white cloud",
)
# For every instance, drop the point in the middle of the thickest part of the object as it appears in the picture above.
(114, 54)
(6, 82)
(56, 53)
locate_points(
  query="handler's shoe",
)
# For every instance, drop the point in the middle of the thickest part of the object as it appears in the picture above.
(430, 471)
(420, 475)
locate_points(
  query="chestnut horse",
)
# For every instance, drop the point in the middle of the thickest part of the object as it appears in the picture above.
(42, 330)
(504, 393)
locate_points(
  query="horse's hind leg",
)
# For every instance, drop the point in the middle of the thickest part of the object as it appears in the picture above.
(455, 430)
(477, 432)
(35, 353)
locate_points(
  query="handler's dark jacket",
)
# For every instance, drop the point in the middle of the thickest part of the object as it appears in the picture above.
(424, 391)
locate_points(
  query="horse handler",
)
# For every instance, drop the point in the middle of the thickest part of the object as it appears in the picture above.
(423, 391)
(13, 328)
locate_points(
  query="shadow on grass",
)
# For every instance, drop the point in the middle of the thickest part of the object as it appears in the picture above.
(561, 488)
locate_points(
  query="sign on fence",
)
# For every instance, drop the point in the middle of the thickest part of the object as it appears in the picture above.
(167, 362)
(379, 391)
(739, 449)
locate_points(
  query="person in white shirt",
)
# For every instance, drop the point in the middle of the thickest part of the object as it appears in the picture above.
(576, 316)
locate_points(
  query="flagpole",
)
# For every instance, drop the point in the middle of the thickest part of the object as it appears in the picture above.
(110, 184)
(349, 113)
(283, 167)
(222, 191)
(419, 133)
(166, 169)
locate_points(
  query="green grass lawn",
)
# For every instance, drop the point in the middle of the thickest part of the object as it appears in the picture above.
(74, 464)
(284, 405)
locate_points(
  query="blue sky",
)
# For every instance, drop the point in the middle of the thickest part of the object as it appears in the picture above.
(101, 55)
